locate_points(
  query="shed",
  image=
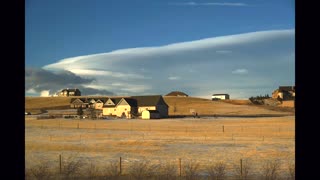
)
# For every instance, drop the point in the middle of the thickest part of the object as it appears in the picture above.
(220, 96)
(150, 114)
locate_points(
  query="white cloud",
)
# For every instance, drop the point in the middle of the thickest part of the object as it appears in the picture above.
(205, 65)
(173, 78)
(88, 72)
(223, 51)
(31, 91)
(207, 4)
(240, 71)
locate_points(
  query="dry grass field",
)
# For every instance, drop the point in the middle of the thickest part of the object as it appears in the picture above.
(91, 148)
(197, 141)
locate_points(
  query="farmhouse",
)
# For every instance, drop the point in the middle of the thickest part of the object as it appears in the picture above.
(154, 102)
(69, 92)
(125, 107)
(220, 96)
(284, 93)
(120, 107)
(177, 93)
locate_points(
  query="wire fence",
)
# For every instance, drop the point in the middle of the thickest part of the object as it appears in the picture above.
(179, 168)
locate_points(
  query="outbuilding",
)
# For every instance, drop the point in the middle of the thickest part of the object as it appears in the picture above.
(150, 114)
(220, 96)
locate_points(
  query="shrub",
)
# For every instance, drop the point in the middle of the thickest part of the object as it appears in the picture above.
(270, 169)
(142, 170)
(217, 171)
(191, 170)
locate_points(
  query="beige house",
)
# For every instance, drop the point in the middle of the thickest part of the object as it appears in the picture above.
(98, 104)
(79, 102)
(284, 93)
(95, 103)
(69, 92)
(126, 107)
(110, 107)
(120, 107)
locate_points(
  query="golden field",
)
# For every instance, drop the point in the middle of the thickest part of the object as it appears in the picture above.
(201, 140)
(204, 141)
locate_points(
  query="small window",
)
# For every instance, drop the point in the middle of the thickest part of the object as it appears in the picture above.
(115, 109)
(125, 109)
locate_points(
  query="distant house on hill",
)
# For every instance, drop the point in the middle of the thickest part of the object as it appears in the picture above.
(69, 92)
(220, 96)
(284, 93)
(177, 93)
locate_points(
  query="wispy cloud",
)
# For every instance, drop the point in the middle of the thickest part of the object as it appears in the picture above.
(191, 3)
(223, 51)
(240, 71)
(207, 66)
(173, 78)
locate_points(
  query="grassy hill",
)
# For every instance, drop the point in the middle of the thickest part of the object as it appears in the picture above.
(177, 106)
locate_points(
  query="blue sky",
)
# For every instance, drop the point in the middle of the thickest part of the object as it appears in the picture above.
(56, 31)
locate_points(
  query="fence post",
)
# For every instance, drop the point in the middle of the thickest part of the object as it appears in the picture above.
(180, 167)
(120, 166)
(241, 168)
(222, 128)
(60, 163)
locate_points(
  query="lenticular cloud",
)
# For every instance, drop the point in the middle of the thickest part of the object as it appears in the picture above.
(203, 66)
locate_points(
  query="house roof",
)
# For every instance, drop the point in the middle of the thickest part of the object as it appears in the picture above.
(177, 93)
(114, 100)
(70, 90)
(220, 94)
(131, 102)
(286, 88)
(151, 100)
(153, 111)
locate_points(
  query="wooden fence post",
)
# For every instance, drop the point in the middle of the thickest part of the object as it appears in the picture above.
(222, 128)
(241, 167)
(60, 163)
(120, 166)
(180, 167)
